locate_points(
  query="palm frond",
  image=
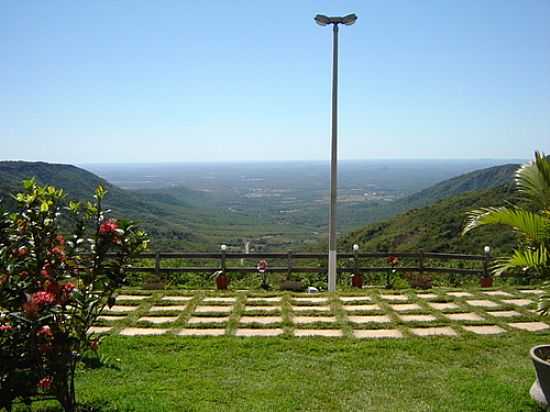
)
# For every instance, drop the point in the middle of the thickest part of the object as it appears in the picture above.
(523, 259)
(533, 181)
(532, 225)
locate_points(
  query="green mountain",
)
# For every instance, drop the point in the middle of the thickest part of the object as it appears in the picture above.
(437, 228)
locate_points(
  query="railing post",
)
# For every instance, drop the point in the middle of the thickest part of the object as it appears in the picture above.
(157, 264)
(289, 264)
(222, 258)
(421, 261)
(355, 259)
(486, 259)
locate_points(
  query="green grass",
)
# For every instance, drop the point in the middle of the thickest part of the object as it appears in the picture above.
(172, 373)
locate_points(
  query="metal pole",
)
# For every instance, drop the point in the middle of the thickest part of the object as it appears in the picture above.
(332, 258)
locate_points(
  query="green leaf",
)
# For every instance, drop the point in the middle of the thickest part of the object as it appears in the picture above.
(44, 207)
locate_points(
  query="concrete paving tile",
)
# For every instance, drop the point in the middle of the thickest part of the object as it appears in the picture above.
(497, 293)
(460, 294)
(463, 316)
(355, 299)
(417, 318)
(132, 297)
(259, 332)
(504, 313)
(518, 302)
(261, 319)
(394, 298)
(482, 303)
(377, 333)
(532, 291)
(207, 319)
(201, 332)
(142, 331)
(99, 329)
(310, 308)
(403, 307)
(178, 308)
(529, 326)
(109, 318)
(355, 308)
(369, 318)
(158, 319)
(213, 309)
(220, 299)
(177, 298)
(485, 329)
(330, 333)
(443, 305)
(427, 296)
(262, 308)
(310, 300)
(436, 331)
(266, 299)
(121, 308)
(313, 319)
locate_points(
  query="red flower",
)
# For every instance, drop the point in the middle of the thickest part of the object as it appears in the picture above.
(60, 240)
(45, 383)
(108, 227)
(68, 287)
(46, 269)
(45, 331)
(393, 260)
(43, 298)
(4, 328)
(56, 250)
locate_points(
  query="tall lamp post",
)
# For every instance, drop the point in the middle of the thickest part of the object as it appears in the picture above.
(335, 21)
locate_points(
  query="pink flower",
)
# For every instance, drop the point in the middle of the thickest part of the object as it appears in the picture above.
(5, 328)
(45, 383)
(68, 287)
(46, 269)
(45, 331)
(108, 227)
(43, 298)
(60, 239)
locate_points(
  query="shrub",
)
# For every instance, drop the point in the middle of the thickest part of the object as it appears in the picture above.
(53, 287)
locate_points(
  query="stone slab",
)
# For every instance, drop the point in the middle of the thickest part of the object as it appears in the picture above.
(443, 305)
(464, 316)
(482, 303)
(395, 298)
(529, 326)
(220, 299)
(532, 291)
(142, 331)
(497, 293)
(132, 297)
(99, 329)
(121, 308)
(262, 308)
(485, 329)
(310, 308)
(377, 333)
(177, 308)
(518, 302)
(355, 308)
(355, 299)
(158, 319)
(460, 294)
(417, 318)
(426, 296)
(266, 299)
(109, 318)
(207, 319)
(259, 332)
(213, 309)
(404, 307)
(504, 313)
(436, 331)
(310, 300)
(261, 319)
(329, 333)
(177, 298)
(313, 319)
(201, 332)
(369, 318)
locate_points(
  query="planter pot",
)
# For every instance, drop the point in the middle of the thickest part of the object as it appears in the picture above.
(357, 281)
(540, 391)
(222, 282)
(486, 281)
(424, 282)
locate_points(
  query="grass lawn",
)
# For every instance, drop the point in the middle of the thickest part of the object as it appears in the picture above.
(171, 373)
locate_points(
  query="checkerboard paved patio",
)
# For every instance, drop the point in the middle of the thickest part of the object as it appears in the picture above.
(364, 314)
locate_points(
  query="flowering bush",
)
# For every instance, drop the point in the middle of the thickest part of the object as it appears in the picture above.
(52, 288)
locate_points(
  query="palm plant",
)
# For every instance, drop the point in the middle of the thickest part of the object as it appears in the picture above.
(529, 218)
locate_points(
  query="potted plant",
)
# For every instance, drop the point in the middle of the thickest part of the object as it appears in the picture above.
(357, 280)
(419, 280)
(486, 281)
(530, 219)
(222, 280)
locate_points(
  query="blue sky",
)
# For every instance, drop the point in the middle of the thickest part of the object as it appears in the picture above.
(150, 81)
